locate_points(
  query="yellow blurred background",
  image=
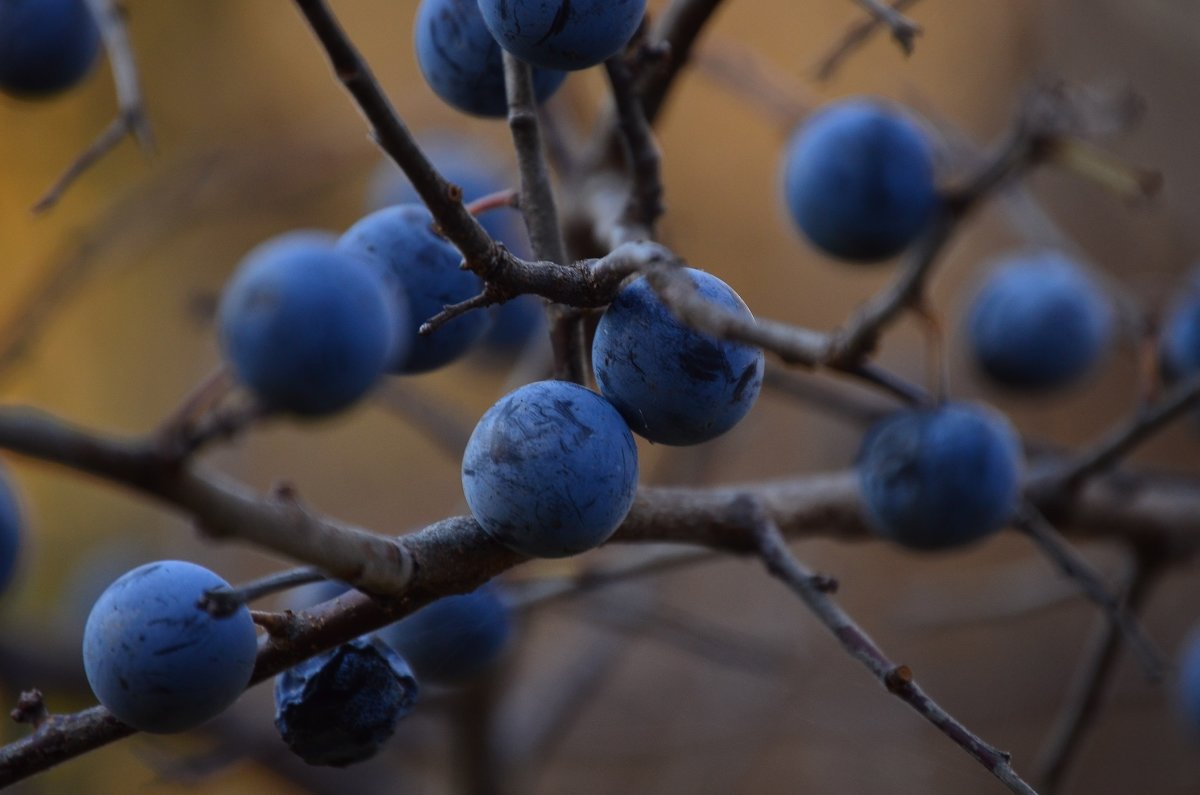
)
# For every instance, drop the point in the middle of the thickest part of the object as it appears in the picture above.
(716, 680)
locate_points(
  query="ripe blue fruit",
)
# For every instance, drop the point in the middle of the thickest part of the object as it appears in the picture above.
(454, 638)
(550, 470)
(563, 34)
(940, 478)
(462, 63)
(1187, 687)
(155, 659)
(467, 164)
(858, 180)
(479, 172)
(308, 328)
(1179, 345)
(1038, 322)
(10, 529)
(672, 384)
(516, 324)
(339, 707)
(399, 242)
(46, 46)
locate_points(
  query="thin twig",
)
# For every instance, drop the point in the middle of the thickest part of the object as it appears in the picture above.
(482, 300)
(131, 115)
(859, 336)
(855, 37)
(210, 390)
(903, 29)
(1096, 669)
(480, 767)
(748, 77)
(538, 593)
(690, 634)
(1030, 521)
(225, 601)
(207, 415)
(493, 201)
(390, 132)
(1122, 440)
(537, 196)
(679, 26)
(898, 679)
(541, 215)
(645, 204)
(839, 403)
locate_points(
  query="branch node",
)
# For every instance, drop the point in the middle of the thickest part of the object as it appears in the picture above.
(898, 679)
(31, 709)
(277, 625)
(825, 584)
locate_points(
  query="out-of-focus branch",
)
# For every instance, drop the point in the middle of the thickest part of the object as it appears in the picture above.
(131, 115)
(898, 679)
(1097, 666)
(446, 428)
(855, 37)
(838, 403)
(1030, 521)
(221, 507)
(903, 29)
(1126, 437)
(390, 132)
(645, 205)
(679, 27)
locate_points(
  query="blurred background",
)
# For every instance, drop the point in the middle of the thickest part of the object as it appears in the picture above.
(711, 679)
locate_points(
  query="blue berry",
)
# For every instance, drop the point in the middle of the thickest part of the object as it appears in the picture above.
(155, 659)
(1179, 345)
(515, 324)
(454, 638)
(858, 180)
(1038, 322)
(306, 327)
(340, 707)
(399, 242)
(10, 530)
(672, 384)
(46, 46)
(563, 34)
(550, 470)
(462, 63)
(467, 164)
(479, 172)
(940, 478)
(1187, 688)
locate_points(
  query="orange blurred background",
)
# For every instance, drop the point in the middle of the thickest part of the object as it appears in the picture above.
(714, 679)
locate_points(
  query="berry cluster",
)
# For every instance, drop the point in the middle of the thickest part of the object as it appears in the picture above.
(310, 322)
